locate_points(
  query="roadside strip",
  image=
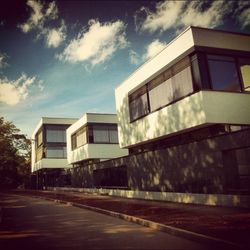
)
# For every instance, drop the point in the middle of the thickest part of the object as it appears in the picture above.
(211, 241)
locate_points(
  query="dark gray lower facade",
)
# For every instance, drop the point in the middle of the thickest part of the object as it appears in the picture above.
(218, 165)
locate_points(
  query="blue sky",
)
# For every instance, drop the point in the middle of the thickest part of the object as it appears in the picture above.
(65, 58)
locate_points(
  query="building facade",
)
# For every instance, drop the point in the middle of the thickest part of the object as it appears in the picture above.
(184, 116)
(49, 151)
(92, 139)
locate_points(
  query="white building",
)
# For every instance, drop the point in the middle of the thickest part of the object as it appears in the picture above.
(184, 115)
(49, 145)
(199, 79)
(93, 138)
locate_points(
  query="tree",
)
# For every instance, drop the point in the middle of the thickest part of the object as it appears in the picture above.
(15, 154)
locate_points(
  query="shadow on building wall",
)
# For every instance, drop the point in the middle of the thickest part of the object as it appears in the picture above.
(201, 166)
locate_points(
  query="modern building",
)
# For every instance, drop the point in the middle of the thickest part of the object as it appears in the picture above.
(49, 154)
(92, 139)
(184, 116)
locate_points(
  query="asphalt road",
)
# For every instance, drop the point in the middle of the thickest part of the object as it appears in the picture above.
(30, 223)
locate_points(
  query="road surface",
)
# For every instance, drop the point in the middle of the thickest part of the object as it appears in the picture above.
(30, 223)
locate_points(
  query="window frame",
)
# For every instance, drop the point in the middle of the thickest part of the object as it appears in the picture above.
(167, 74)
(205, 83)
(236, 63)
(56, 148)
(90, 134)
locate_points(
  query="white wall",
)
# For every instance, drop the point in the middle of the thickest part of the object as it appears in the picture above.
(51, 163)
(96, 151)
(223, 40)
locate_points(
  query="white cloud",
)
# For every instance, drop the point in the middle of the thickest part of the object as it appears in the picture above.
(40, 85)
(134, 57)
(40, 15)
(97, 44)
(52, 11)
(242, 13)
(154, 48)
(9, 94)
(36, 18)
(210, 18)
(3, 57)
(244, 18)
(55, 37)
(178, 14)
(162, 19)
(13, 92)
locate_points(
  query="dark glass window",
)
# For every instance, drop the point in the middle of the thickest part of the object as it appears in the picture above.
(56, 135)
(244, 64)
(138, 103)
(223, 73)
(97, 133)
(196, 73)
(56, 152)
(105, 133)
(73, 141)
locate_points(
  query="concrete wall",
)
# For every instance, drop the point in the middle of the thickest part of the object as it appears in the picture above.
(204, 199)
(196, 167)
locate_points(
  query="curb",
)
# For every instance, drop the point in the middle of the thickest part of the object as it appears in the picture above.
(201, 238)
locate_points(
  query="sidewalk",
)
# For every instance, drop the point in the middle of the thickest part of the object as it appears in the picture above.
(229, 224)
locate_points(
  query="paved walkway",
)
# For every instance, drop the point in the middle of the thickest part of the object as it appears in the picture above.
(31, 223)
(229, 224)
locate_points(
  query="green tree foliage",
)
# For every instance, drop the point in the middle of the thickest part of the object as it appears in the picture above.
(15, 156)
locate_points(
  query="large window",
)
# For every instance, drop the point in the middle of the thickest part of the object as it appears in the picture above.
(223, 73)
(39, 138)
(56, 152)
(244, 64)
(182, 79)
(138, 103)
(160, 91)
(97, 133)
(79, 138)
(105, 133)
(55, 135)
(39, 153)
(171, 85)
(199, 71)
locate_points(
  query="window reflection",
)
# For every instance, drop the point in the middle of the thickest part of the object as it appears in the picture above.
(54, 135)
(56, 152)
(95, 133)
(223, 73)
(244, 64)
